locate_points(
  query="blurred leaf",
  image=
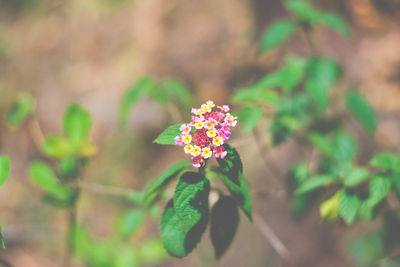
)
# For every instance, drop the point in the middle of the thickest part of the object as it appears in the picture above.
(276, 34)
(366, 210)
(151, 252)
(126, 256)
(2, 243)
(313, 184)
(379, 187)
(191, 199)
(344, 146)
(232, 176)
(322, 74)
(249, 117)
(348, 206)
(177, 90)
(356, 176)
(362, 111)
(77, 123)
(257, 95)
(303, 10)
(4, 169)
(159, 184)
(131, 221)
(224, 223)
(329, 209)
(57, 146)
(44, 176)
(299, 173)
(386, 162)
(131, 96)
(292, 72)
(367, 250)
(336, 23)
(321, 142)
(167, 137)
(159, 95)
(20, 110)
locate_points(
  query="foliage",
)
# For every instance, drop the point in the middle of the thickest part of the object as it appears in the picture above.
(4, 171)
(186, 215)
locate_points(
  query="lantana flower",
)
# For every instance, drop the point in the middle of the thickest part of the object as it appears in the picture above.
(206, 133)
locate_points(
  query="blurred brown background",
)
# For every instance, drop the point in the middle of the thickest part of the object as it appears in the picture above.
(91, 51)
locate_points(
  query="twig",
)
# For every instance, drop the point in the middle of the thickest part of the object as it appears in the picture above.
(272, 238)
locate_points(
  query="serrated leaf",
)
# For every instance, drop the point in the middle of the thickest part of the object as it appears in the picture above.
(131, 221)
(386, 162)
(130, 98)
(77, 123)
(314, 183)
(249, 117)
(276, 34)
(336, 23)
(379, 187)
(348, 206)
(362, 111)
(191, 199)
(232, 176)
(322, 73)
(20, 110)
(303, 10)
(177, 90)
(355, 177)
(167, 137)
(224, 223)
(154, 188)
(4, 169)
(176, 242)
(329, 209)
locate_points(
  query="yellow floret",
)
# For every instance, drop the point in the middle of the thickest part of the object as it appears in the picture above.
(206, 153)
(211, 133)
(187, 139)
(195, 151)
(188, 149)
(218, 141)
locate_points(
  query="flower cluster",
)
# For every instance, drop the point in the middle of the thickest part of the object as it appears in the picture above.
(206, 133)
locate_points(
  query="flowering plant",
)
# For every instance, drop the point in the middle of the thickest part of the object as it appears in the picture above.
(187, 214)
(206, 133)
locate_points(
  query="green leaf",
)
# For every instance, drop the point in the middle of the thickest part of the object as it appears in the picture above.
(232, 176)
(336, 23)
(177, 90)
(362, 111)
(299, 173)
(348, 206)
(44, 176)
(314, 183)
(167, 137)
(386, 162)
(151, 252)
(57, 146)
(344, 146)
(131, 221)
(4, 169)
(276, 34)
(224, 223)
(131, 96)
(292, 73)
(191, 199)
(77, 123)
(303, 10)
(368, 250)
(154, 188)
(257, 95)
(20, 110)
(379, 187)
(176, 242)
(321, 142)
(249, 117)
(366, 210)
(3, 245)
(329, 209)
(322, 74)
(355, 177)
